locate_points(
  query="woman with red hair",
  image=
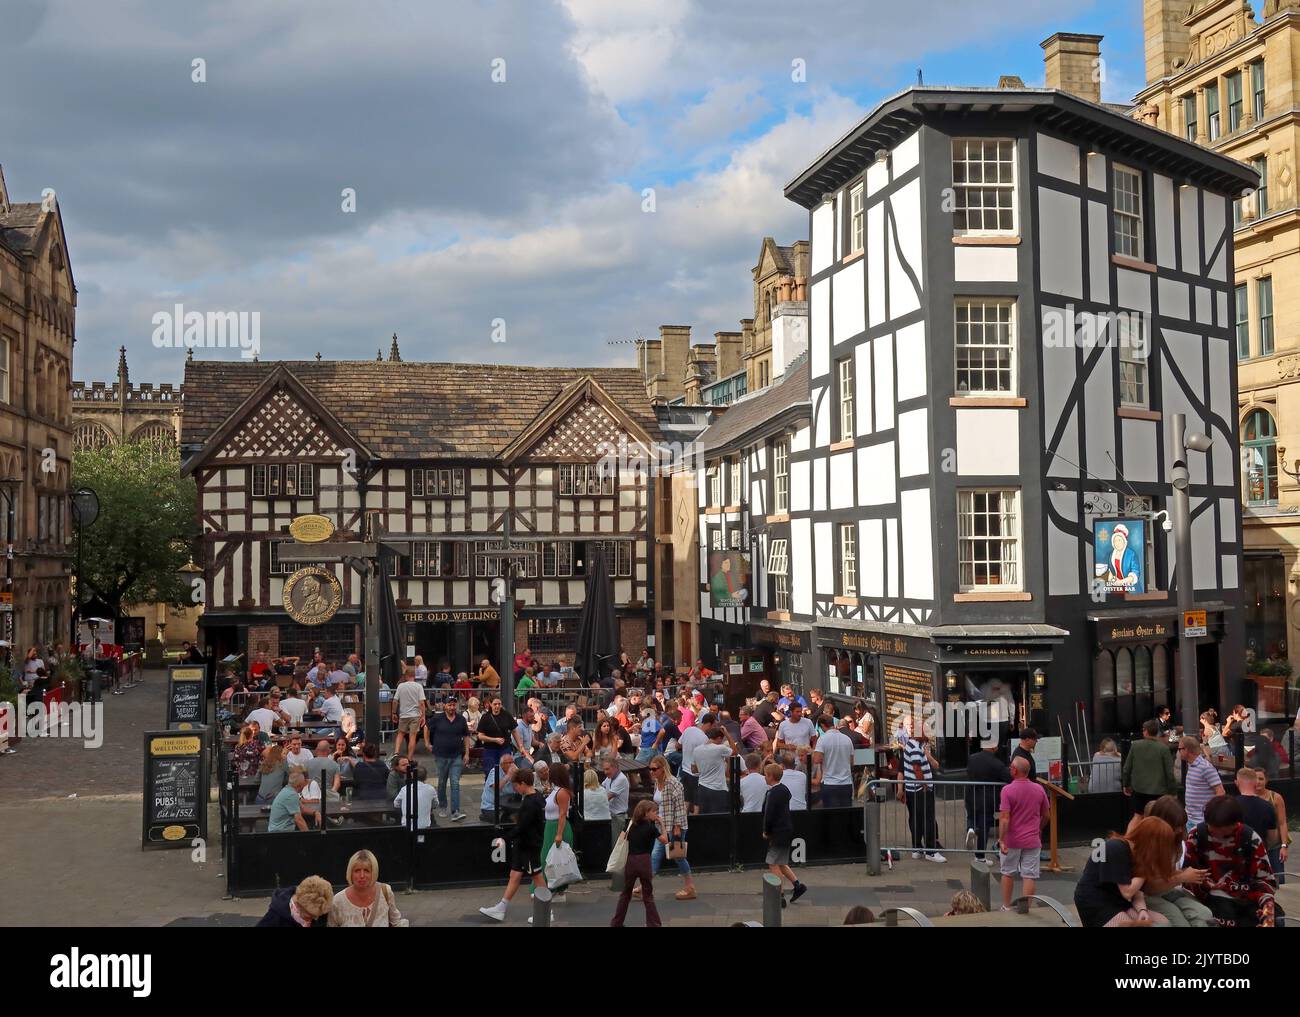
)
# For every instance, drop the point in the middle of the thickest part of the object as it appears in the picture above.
(1110, 892)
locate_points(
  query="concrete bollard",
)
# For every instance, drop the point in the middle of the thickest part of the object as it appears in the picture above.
(980, 880)
(771, 901)
(541, 908)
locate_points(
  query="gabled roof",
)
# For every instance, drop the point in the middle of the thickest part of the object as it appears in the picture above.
(762, 412)
(411, 410)
(900, 115)
(23, 226)
(578, 391)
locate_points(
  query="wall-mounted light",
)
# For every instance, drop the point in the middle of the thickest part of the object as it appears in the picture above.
(951, 680)
(1040, 678)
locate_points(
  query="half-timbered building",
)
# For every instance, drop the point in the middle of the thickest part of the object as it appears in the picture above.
(1012, 291)
(450, 457)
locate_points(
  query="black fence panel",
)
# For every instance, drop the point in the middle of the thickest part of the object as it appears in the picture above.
(264, 862)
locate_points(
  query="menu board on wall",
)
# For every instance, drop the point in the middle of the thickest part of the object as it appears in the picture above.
(186, 700)
(902, 682)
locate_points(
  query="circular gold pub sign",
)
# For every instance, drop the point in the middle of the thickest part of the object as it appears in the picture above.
(312, 595)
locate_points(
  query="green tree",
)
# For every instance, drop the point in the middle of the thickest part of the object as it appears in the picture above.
(145, 526)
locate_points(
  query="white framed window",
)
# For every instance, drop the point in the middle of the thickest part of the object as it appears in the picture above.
(4, 370)
(849, 559)
(283, 480)
(1264, 296)
(778, 567)
(1190, 121)
(1212, 118)
(582, 480)
(845, 372)
(1242, 321)
(715, 538)
(557, 558)
(737, 495)
(984, 185)
(855, 219)
(985, 346)
(733, 538)
(1131, 338)
(1257, 88)
(1235, 103)
(781, 476)
(988, 539)
(1128, 213)
(714, 474)
(437, 482)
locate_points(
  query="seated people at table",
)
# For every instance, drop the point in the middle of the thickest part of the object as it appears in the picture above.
(286, 811)
(260, 666)
(296, 754)
(495, 783)
(370, 776)
(527, 680)
(426, 800)
(765, 711)
(343, 755)
(305, 906)
(247, 755)
(542, 781)
(473, 713)
(487, 675)
(267, 714)
(1239, 886)
(753, 735)
(325, 769)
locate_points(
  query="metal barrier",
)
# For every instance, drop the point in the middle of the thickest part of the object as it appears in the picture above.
(890, 915)
(934, 819)
(1096, 776)
(1021, 904)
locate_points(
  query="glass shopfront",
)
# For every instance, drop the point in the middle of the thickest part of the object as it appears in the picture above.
(1264, 587)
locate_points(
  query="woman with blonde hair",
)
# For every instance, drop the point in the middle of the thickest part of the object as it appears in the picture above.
(965, 903)
(1104, 774)
(473, 713)
(273, 773)
(595, 802)
(366, 903)
(671, 799)
(305, 906)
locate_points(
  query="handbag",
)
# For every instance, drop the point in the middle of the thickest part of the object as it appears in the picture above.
(618, 857)
(676, 848)
(562, 867)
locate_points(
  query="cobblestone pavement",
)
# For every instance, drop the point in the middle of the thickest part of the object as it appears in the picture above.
(77, 860)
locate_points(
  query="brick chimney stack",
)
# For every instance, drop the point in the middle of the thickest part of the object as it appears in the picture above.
(1074, 64)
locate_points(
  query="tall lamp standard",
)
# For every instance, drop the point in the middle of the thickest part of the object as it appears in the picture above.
(85, 508)
(1181, 516)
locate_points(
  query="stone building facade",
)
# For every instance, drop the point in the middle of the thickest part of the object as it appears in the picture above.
(38, 313)
(1223, 77)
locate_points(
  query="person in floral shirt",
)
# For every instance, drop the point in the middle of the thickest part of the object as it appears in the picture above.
(247, 755)
(1239, 885)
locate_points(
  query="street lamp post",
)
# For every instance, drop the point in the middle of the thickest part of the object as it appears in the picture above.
(1180, 515)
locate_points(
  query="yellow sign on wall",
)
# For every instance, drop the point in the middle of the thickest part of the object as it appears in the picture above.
(311, 529)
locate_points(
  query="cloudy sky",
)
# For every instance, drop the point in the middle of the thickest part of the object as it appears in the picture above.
(476, 199)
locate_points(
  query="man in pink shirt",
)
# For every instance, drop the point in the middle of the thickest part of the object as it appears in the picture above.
(1022, 814)
(752, 733)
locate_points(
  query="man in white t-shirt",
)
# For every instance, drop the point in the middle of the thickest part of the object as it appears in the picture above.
(292, 709)
(426, 800)
(296, 754)
(711, 762)
(331, 710)
(693, 738)
(796, 780)
(265, 716)
(410, 712)
(833, 765)
(753, 786)
(795, 733)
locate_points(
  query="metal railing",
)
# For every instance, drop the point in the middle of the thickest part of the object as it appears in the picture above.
(932, 820)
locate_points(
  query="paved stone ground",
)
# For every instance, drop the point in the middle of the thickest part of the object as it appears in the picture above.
(77, 860)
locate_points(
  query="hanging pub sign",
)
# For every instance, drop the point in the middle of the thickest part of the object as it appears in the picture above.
(175, 788)
(186, 696)
(312, 595)
(1120, 555)
(728, 578)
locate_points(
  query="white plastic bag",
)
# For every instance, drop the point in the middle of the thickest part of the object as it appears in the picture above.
(562, 867)
(618, 857)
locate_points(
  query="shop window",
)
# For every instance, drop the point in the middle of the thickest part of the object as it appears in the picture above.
(1264, 584)
(1259, 457)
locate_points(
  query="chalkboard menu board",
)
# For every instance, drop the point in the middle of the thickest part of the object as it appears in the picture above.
(902, 684)
(175, 788)
(186, 696)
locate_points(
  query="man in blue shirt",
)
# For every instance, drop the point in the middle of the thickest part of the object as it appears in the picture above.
(788, 697)
(652, 734)
(487, 802)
